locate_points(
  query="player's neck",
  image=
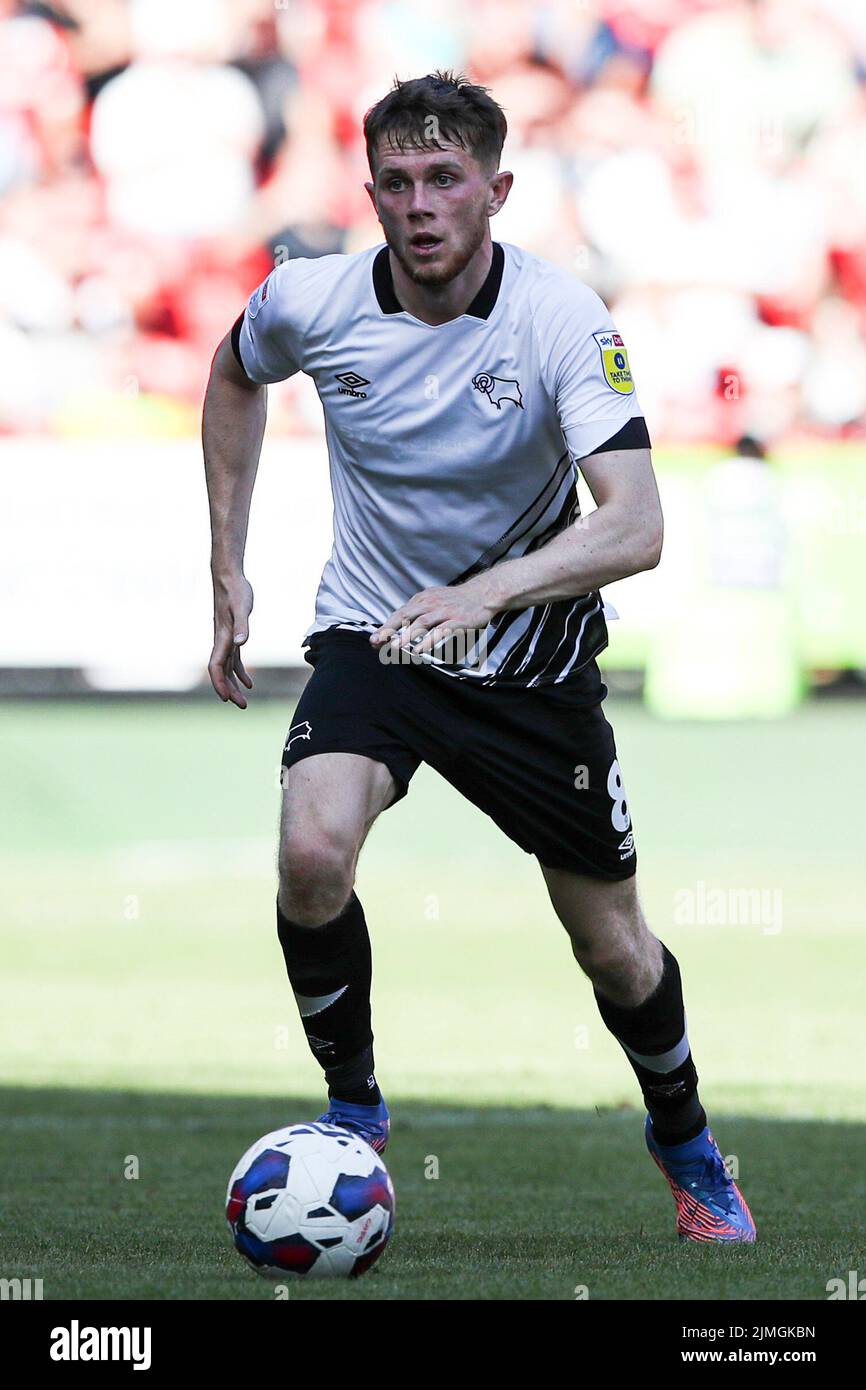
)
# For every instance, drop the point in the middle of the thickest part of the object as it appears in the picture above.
(440, 305)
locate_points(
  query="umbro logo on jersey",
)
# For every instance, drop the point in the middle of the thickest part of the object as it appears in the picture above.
(498, 389)
(351, 382)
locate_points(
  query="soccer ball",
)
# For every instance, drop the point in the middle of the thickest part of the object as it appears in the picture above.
(310, 1199)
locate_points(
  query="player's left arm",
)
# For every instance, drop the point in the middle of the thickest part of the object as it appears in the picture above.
(621, 537)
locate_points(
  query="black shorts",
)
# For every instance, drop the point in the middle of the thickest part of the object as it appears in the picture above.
(540, 762)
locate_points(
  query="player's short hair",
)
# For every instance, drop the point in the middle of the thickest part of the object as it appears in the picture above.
(443, 106)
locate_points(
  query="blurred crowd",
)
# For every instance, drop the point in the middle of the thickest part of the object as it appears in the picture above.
(699, 162)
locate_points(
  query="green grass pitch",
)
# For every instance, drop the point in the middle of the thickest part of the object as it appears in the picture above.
(145, 1014)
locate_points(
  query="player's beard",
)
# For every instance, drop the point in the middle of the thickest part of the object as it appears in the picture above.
(457, 258)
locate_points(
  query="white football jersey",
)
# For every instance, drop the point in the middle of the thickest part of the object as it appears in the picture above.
(451, 446)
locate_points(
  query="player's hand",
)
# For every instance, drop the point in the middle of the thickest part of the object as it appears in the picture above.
(233, 603)
(432, 615)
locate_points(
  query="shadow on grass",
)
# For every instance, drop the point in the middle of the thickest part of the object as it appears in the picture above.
(492, 1203)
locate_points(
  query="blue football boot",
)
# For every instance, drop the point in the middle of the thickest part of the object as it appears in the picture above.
(710, 1206)
(371, 1122)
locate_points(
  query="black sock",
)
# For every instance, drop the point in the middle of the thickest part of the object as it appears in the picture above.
(334, 960)
(654, 1038)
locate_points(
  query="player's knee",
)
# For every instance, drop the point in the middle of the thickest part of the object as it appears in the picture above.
(624, 964)
(598, 959)
(316, 870)
(612, 947)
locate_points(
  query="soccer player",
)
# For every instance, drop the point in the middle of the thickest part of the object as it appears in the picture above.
(458, 618)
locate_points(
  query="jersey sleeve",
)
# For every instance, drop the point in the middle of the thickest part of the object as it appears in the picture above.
(587, 372)
(270, 339)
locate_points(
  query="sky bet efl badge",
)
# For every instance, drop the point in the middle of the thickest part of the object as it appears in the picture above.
(258, 297)
(614, 361)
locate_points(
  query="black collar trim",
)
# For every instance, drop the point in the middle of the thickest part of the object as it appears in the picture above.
(481, 307)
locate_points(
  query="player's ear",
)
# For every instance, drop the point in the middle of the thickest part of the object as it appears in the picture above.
(371, 190)
(500, 187)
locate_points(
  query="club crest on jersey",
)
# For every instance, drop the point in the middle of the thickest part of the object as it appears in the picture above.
(498, 389)
(614, 362)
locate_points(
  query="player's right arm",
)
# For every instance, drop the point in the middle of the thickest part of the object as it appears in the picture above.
(262, 347)
(233, 425)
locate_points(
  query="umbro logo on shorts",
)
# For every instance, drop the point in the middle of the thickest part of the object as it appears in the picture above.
(627, 845)
(351, 384)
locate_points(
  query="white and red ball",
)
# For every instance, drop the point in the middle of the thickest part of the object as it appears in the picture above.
(310, 1200)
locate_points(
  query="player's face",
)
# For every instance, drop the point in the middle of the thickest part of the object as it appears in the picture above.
(434, 207)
